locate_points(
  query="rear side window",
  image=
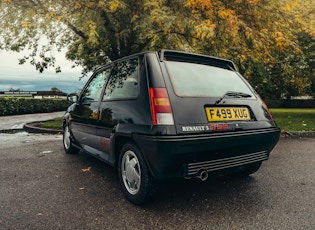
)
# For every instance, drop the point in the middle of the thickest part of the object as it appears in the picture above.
(123, 83)
(199, 80)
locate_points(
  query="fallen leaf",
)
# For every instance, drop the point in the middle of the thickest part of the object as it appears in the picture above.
(86, 169)
(46, 152)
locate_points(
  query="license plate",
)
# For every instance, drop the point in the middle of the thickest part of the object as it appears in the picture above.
(227, 114)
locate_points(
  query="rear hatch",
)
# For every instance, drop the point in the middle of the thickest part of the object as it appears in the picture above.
(208, 95)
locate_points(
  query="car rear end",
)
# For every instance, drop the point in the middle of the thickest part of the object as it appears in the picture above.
(205, 117)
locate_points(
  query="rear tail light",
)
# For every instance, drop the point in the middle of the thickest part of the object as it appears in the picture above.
(160, 107)
(266, 109)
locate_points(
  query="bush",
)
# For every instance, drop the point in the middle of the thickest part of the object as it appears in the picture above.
(17, 105)
(290, 103)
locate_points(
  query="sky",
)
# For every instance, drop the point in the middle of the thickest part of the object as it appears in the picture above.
(26, 78)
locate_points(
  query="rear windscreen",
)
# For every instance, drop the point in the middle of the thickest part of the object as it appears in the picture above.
(199, 80)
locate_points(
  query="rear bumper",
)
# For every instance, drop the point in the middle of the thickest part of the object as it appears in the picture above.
(182, 156)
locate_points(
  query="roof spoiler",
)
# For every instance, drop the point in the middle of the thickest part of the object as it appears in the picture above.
(172, 55)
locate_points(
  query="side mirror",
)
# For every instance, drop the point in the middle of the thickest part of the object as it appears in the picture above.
(72, 97)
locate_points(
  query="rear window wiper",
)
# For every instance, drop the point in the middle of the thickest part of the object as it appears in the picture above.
(233, 94)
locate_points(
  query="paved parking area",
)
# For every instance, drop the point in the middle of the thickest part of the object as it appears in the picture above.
(44, 188)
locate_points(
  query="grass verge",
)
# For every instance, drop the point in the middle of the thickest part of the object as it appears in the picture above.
(294, 119)
(287, 119)
(55, 124)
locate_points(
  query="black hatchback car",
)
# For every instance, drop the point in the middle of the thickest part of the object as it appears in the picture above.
(170, 114)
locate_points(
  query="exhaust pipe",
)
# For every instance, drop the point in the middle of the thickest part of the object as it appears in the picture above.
(203, 175)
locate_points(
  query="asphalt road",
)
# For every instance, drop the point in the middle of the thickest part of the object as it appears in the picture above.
(43, 188)
(18, 121)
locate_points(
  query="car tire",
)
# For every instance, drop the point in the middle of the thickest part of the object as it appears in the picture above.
(136, 181)
(67, 141)
(249, 169)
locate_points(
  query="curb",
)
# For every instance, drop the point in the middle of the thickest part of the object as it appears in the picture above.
(31, 128)
(300, 134)
(11, 130)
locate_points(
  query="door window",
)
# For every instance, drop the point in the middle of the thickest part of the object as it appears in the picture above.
(123, 83)
(94, 89)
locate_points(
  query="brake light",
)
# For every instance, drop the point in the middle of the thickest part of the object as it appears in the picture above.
(160, 107)
(266, 108)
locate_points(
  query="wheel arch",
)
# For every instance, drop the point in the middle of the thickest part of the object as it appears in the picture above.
(66, 119)
(119, 143)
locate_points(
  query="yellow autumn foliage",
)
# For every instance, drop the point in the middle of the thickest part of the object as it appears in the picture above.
(27, 24)
(259, 36)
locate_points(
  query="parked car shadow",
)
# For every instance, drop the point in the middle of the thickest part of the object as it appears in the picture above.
(215, 193)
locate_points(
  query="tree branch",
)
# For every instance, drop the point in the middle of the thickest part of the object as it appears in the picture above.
(78, 32)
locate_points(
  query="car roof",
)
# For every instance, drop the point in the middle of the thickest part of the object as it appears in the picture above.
(166, 55)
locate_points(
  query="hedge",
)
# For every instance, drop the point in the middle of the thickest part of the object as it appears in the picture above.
(290, 103)
(20, 105)
(17, 105)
